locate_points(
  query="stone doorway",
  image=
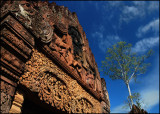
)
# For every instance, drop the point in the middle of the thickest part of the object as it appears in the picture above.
(31, 107)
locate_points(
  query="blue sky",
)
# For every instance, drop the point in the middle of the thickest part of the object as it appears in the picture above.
(136, 22)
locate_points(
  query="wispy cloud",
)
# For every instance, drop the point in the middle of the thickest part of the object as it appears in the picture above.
(138, 9)
(124, 12)
(120, 109)
(105, 42)
(150, 90)
(150, 98)
(153, 6)
(145, 44)
(153, 26)
(129, 13)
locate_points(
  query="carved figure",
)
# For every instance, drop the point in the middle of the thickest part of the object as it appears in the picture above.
(24, 13)
(90, 80)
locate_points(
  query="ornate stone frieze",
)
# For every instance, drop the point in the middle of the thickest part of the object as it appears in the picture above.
(5, 102)
(60, 30)
(56, 88)
(65, 76)
(10, 58)
(18, 27)
(16, 41)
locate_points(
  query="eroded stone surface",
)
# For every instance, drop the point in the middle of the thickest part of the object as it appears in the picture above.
(60, 28)
(7, 92)
(27, 25)
(55, 87)
(136, 110)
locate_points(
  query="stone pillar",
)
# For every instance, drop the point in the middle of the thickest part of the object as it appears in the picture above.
(7, 90)
(17, 103)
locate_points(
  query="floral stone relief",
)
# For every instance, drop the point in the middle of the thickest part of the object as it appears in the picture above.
(57, 88)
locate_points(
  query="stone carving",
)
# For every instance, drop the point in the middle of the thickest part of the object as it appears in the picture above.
(82, 105)
(41, 27)
(6, 96)
(60, 33)
(20, 29)
(61, 28)
(8, 72)
(27, 13)
(17, 42)
(62, 46)
(55, 87)
(106, 104)
(54, 91)
(5, 102)
(77, 43)
(10, 58)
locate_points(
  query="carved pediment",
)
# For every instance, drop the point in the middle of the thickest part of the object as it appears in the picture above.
(55, 87)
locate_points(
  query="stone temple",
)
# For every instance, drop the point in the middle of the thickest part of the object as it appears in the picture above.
(46, 62)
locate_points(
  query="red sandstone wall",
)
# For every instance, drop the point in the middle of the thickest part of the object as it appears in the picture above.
(58, 33)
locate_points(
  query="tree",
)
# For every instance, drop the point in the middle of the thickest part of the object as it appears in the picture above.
(136, 98)
(121, 63)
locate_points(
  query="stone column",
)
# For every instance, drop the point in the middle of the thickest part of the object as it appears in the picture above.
(17, 103)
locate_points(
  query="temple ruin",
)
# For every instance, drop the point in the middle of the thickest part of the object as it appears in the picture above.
(46, 62)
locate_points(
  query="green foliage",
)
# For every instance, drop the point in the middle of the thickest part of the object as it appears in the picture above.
(136, 97)
(121, 63)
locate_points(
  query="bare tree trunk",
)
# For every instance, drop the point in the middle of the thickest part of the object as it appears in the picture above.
(130, 93)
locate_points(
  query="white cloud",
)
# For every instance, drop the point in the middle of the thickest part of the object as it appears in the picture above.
(139, 3)
(124, 12)
(145, 44)
(150, 98)
(153, 6)
(120, 109)
(150, 90)
(105, 41)
(97, 35)
(115, 3)
(153, 26)
(139, 9)
(130, 10)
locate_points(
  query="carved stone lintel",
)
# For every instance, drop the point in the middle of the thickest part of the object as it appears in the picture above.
(17, 103)
(16, 41)
(56, 88)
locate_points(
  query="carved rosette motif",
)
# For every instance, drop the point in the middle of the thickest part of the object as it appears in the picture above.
(56, 88)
